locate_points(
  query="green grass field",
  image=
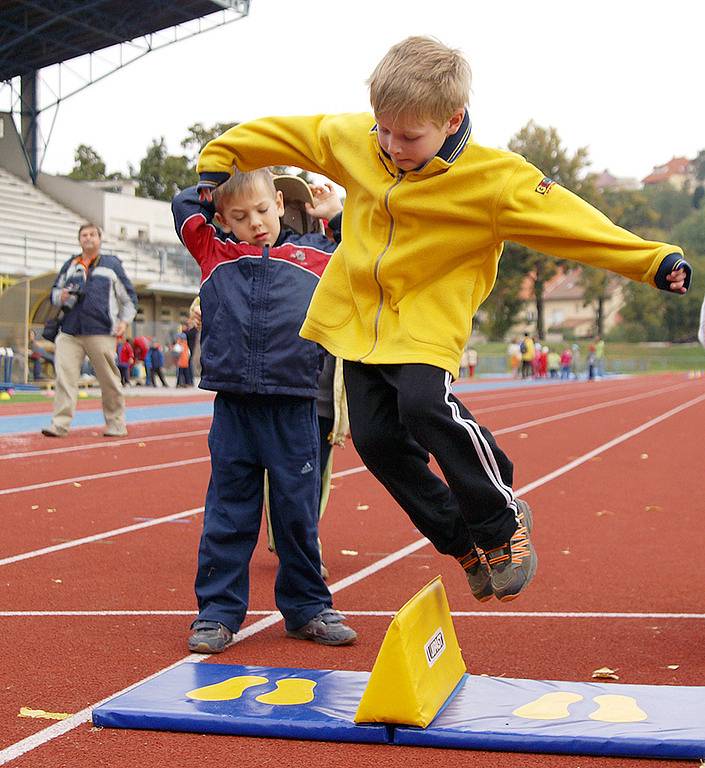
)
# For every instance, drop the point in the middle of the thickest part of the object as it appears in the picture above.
(620, 357)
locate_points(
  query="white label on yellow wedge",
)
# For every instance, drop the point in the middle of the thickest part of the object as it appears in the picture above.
(435, 647)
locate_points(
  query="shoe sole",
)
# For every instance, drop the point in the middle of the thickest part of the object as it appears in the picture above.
(322, 640)
(205, 648)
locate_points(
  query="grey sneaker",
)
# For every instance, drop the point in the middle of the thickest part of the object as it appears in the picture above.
(477, 574)
(326, 628)
(513, 565)
(209, 637)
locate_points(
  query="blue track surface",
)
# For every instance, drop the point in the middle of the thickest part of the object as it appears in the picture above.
(33, 422)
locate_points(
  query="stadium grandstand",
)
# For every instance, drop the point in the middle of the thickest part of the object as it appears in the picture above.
(40, 213)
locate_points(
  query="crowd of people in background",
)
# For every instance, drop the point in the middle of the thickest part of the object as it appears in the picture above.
(141, 360)
(530, 358)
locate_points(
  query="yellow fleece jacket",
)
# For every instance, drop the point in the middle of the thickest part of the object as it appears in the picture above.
(420, 249)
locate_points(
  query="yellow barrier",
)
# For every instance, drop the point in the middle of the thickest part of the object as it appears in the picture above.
(418, 665)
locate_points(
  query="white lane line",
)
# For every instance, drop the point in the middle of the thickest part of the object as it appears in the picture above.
(154, 467)
(104, 445)
(99, 536)
(609, 444)
(584, 409)
(58, 729)
(343, 473)
(388, 614)
(103, 475)
(560, 398)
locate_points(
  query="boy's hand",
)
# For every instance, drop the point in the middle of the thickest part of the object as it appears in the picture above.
(326, 202)
(677, 280)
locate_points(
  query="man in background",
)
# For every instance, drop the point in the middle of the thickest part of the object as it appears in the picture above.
(97, 303)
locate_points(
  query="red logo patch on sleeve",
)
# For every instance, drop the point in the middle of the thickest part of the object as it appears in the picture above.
(544, 186)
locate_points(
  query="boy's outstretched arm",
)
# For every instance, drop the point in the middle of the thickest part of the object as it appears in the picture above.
(542, 215)
(304, 142)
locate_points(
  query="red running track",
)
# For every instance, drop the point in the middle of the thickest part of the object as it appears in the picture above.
(98, 554)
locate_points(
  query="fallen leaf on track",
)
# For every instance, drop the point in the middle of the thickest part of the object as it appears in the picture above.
(652, 508)
(141, 445)
(603, 512)
(644, 456)
(673, 666)
(523, 435)
(605, 673)
(351, 552)
(42, 714)
(76, 485)
(363, 507)
(35, 506)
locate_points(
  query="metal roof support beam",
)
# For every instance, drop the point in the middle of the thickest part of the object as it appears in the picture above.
(29, 115)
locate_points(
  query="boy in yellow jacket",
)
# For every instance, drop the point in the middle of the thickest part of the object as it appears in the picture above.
(426, 213)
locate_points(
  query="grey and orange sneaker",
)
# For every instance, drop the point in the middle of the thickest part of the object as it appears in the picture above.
(209, 637)
(326, 628)
(513, 565)
(477, 574)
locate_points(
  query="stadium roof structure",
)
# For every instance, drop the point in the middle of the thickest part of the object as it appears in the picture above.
(36, 34)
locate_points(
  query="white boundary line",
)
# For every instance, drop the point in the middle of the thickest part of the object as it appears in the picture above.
(105, 445)
(103, 475)
(387, 614)
(64, 726)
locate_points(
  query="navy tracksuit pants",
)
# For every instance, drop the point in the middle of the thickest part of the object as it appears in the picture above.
(401, 413)
(251, 433)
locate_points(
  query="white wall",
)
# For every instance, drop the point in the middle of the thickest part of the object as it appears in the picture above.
(121, 216)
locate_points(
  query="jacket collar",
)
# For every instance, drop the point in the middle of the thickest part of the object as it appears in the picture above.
(451, 150)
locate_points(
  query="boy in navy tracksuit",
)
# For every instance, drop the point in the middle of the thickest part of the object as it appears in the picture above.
(257, 281)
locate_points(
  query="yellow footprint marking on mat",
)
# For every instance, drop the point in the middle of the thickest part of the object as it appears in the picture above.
(227, 689)
(290, 691)
(550, 706)
(617, 709)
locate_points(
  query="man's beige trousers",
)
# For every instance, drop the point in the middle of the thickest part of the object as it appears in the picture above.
(68, 358)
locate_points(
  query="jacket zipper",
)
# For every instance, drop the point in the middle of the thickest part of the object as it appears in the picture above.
(378, 262)
(256, 335)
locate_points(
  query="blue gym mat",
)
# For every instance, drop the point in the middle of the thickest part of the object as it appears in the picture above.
(162, 704)
(486, 713)
(514, 715)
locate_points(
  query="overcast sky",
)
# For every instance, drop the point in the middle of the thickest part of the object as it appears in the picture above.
(622, 77)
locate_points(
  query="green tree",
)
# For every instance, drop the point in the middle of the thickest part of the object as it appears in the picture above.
(672, 205)
(88, 164)
(543, 148)
(162, 175)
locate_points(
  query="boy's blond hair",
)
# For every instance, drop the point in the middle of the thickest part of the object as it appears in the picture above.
(420, 78)
(242, 183)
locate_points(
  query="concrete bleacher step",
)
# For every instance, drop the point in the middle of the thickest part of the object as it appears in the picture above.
(37, 234)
